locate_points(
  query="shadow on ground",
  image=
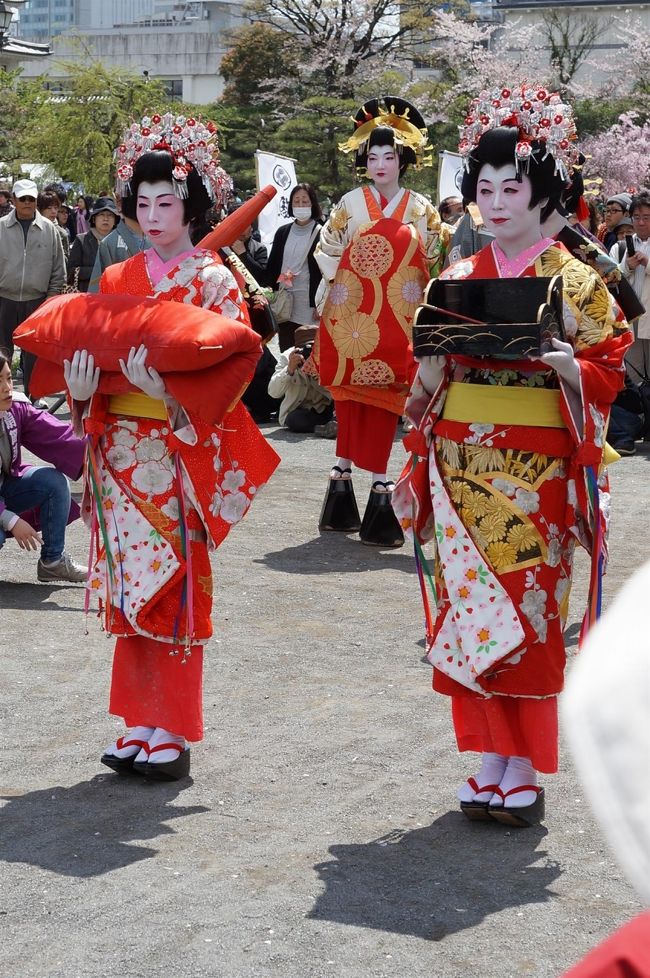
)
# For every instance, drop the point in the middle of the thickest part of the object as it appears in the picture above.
(338, 553)
(28, 596)
(435, 881)
(88, 829)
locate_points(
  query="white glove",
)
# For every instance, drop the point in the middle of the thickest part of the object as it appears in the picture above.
(564, 363)
(430, 372)
(81, 375)
(140, 375)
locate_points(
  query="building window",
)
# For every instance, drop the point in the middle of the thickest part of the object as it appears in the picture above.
(174, 89)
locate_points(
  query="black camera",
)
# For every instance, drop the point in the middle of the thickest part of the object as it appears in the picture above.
(306, 350)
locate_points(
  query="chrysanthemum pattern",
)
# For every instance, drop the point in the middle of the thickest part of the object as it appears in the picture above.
(355, 335)
(405, 291)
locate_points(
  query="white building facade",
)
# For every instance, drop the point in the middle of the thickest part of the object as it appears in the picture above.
(179, 43)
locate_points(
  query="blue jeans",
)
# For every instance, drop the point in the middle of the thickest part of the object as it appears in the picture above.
(49, 491)
(624, 427)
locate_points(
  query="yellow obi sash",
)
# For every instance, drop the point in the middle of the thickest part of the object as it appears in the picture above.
(527, 406)
(137, 406)
(490, 404)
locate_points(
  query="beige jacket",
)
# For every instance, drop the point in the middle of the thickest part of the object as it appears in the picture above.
(639, 279)
(32, 269)
(296, 390)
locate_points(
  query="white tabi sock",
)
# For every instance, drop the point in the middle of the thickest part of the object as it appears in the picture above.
(343, 464)
(519, 771)
(491, 772)
(162, 736)
(129, 749)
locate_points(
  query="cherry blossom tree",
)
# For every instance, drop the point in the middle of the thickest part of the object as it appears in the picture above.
(620, 155)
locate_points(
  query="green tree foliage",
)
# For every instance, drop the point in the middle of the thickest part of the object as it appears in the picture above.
(258, 52)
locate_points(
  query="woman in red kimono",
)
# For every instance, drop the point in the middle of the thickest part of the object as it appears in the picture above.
(163, 486)
(377, 251)
(505, 473)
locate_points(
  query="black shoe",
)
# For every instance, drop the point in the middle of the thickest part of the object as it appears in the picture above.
(626, 448)
(380, 526)
(167, 770)
(520, 817)
(340, 512)
(123, 765)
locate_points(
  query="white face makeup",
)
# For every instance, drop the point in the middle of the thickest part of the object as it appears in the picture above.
(160, 214)
(383, 167)
(504, 203)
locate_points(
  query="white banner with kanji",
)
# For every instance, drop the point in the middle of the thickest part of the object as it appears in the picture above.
(280, 171)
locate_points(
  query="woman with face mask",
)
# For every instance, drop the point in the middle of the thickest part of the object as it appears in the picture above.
(377, 252)
(506, 472)
(168, 476)
(291, 262)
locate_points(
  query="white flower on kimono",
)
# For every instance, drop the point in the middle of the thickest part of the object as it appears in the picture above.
(534, 603)
(482, 429)
(151, 450)
(215, 505)
(234, 506)
(231, 309)
(561, 589)
(123, 436)
(171, 509)
(152, 478)
(460, 269)
(527, 500)
(120, 458)
(505, 486)
(216, 461)
(233, 480)
(554, 553)
(540, 625)
(216, 283)
(599, 424)
(216, 441)
(572, 495)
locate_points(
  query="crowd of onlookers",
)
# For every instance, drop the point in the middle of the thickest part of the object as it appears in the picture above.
(48, 245)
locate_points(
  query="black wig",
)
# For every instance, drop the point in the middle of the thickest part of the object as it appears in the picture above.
(497, 147)
(158, 165)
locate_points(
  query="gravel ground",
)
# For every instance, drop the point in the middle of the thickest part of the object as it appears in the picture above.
(319, 836)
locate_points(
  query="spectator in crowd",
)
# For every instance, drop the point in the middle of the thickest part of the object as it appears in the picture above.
(62, 220)
(305, 403)
(62, 194)
(30, 494)
(124, 242)
(47, 204)
(5, 203)
(32, 266)
(292, 263)
(103, 219)
(450, 210)
(82, 213)
(622, 229)
(616, 208)
(636, 269)
(251, 252)
(469, 235)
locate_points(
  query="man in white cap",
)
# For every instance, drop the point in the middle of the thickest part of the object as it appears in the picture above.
(32, 266)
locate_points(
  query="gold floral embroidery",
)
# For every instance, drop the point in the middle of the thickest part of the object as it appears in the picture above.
(355, 335)
(501, 555)
(345, 294)
(339, 218)
(493, 526)
(405, 291)
(523, 537)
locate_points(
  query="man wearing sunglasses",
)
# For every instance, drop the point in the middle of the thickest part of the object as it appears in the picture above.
(32, 266)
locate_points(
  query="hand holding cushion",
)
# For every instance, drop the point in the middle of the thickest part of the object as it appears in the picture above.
(81, 375)
(147, 379)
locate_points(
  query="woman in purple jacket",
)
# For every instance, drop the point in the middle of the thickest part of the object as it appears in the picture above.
(27, 488)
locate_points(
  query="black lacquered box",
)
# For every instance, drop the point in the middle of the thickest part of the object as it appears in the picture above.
(505, 318)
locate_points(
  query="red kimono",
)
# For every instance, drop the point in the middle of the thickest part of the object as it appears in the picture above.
(162, 487)
(504, 479)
